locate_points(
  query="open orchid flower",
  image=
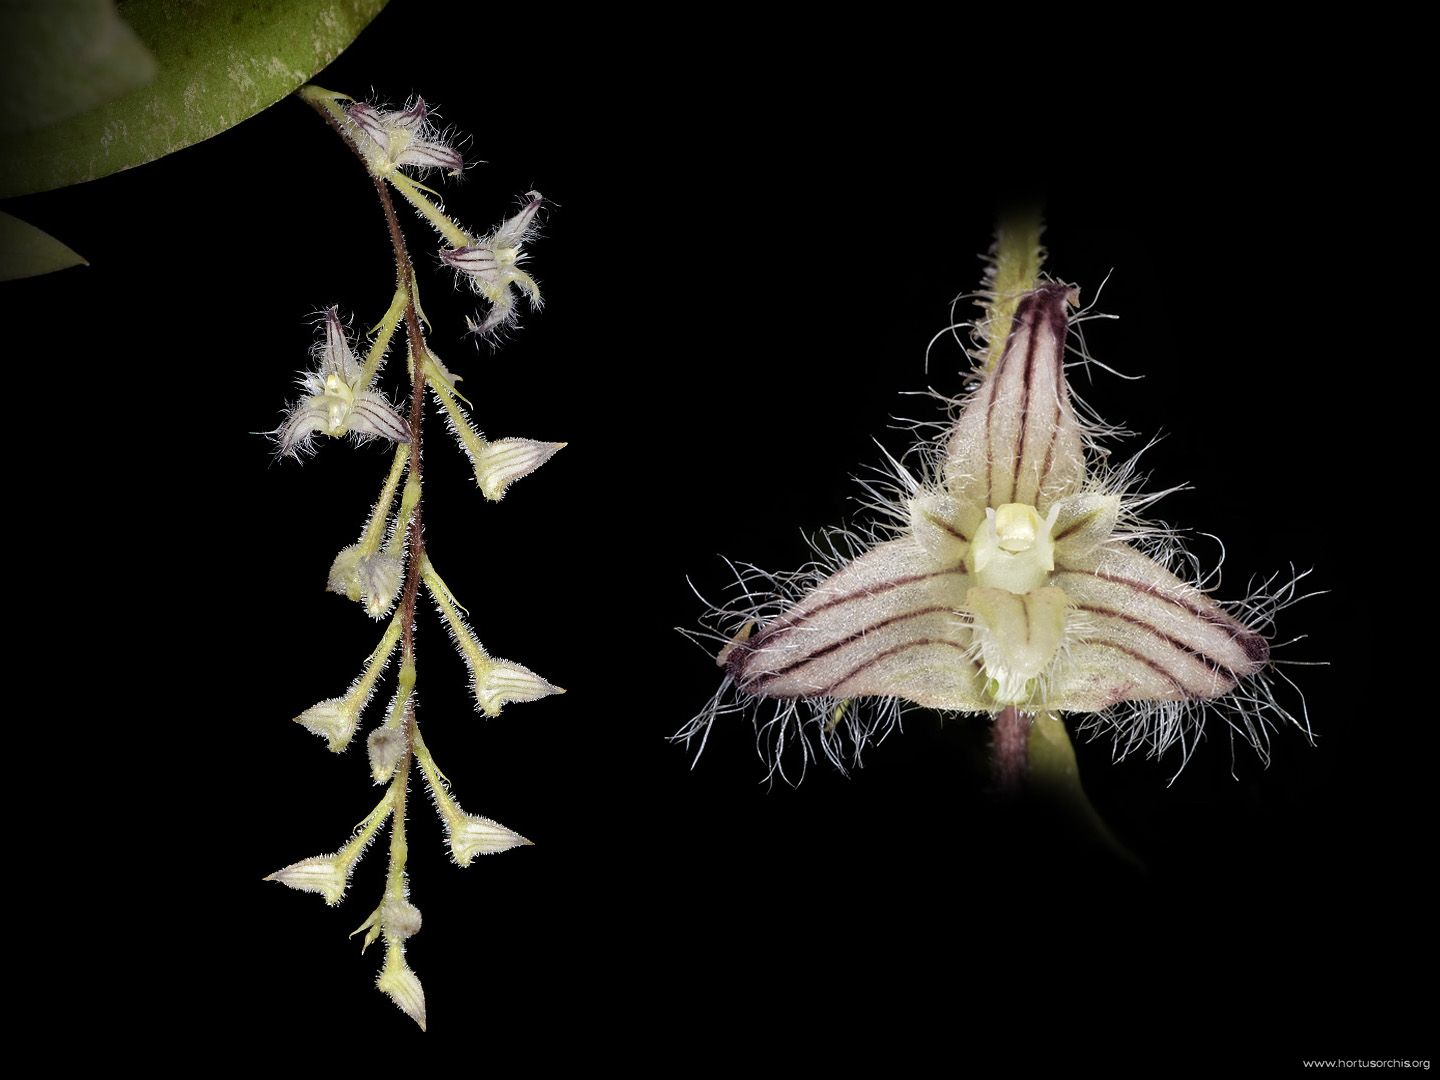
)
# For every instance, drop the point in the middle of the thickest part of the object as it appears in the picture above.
(1009, 585)
(337, 401)
(493, 265)
(404, 138)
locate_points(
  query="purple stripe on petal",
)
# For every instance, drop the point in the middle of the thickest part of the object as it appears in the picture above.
(431, 155)
(854, 637)
(1097, 674)
(1082, 523)
(373, 415)
(300, 423)
(335, 344)
(515, 230)
(469, 259)
(369, 122)
(1118, 579)
(938, 673)
(886, 624)
(338, 356)
(411, 118)
(1199, 676)
(1017, 440)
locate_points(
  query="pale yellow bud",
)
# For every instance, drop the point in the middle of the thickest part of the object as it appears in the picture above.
(400, 918)
(397, 980)
(385, 746)
(472, 835)
(334, 720)
(323, 874)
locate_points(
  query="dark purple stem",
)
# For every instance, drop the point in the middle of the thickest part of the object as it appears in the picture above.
(1011, 749)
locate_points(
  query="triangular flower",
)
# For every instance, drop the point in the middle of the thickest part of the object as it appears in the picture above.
(403, 138)
(493, 265)
(1013, 585)
(335, 402)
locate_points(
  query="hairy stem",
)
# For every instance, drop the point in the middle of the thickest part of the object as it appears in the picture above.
(405, 283)
(415, 340)
(1014, 272)
(380, 345)
(374, 531)
(454, 235)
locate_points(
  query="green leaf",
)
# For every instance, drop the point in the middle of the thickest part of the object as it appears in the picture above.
(220, 62)
(65, 57)
(25, 251)
(1056, 774)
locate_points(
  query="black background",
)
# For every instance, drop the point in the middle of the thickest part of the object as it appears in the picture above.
(742, 272)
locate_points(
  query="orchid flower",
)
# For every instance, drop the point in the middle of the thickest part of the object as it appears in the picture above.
(338, 399)
(403, 138)
(1020, 581)
(492, 266)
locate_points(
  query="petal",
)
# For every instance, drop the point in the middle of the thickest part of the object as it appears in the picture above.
(517, 228)
(1146, 634)
(888, 624)
(369, 122)
(502, 310)
(1083, 523)
(412, 117)
(529, 284)
(373, 417)
(336, 354)
(942, 526)
(478, 261)
(431, 154)
(1018, 440)
(501, 463)
(304, 420)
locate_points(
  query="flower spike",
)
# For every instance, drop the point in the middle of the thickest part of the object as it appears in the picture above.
(383, 569)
